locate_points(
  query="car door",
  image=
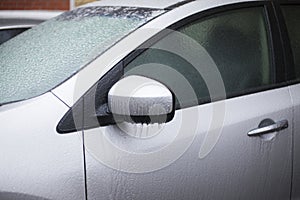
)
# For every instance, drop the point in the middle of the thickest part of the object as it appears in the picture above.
(230, 136)
(291, 13)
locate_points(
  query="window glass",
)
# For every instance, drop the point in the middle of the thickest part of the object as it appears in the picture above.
(292, 16)
(39, 59)
(237, 43)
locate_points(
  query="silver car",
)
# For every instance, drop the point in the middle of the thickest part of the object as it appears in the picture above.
(125, 99)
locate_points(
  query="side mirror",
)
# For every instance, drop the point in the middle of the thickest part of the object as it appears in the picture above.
(138, 99)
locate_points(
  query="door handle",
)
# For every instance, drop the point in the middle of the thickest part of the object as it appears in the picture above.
(273, 127)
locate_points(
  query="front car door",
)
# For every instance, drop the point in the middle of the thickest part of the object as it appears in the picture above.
(205, 151)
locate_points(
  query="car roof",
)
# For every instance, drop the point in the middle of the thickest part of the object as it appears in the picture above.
(158, 4)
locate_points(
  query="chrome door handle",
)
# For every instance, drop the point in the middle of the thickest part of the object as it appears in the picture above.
(278, 126)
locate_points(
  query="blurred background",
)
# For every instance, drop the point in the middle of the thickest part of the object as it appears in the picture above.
(41, 4)
(17, 16)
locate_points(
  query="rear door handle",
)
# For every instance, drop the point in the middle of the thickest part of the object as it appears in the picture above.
(278, 126)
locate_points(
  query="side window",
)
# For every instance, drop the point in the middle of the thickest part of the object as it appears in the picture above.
(292, 19)
(7, 34)
(236, 41)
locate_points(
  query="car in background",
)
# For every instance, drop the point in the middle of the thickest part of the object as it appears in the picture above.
(14, 22)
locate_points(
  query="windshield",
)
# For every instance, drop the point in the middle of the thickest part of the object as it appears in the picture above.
(39, 59)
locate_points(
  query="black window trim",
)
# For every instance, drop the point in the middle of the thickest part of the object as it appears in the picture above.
(291, 79)
(276, 58)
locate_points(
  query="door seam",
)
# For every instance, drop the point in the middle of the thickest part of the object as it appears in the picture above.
(293, 122)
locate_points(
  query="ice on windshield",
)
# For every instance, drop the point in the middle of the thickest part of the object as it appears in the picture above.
(43, 57)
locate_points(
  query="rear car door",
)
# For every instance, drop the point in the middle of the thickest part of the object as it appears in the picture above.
(291, 13)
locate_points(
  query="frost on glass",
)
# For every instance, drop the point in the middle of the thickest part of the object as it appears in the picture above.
(43, 57)
(236, 41)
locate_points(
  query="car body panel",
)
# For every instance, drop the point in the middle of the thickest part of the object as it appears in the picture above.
(238, 167)
(159, 4)
(35, 160)
(295, 93)
(136, 3)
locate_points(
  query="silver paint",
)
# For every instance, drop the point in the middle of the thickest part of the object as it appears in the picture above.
(295, 94)
(35, 161)
(239, 167)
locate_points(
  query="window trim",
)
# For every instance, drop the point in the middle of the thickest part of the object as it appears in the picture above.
(276, 59)
(286, 43)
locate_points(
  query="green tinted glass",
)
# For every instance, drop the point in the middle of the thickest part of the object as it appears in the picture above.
(292, 19)
(236, 41)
